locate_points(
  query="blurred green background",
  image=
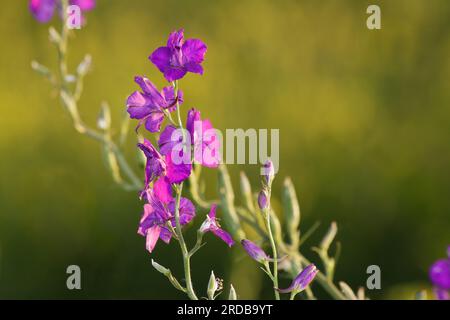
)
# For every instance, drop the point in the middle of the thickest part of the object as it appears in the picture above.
(364, 123)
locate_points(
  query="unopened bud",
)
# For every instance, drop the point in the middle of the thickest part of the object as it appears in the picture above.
(212, 286)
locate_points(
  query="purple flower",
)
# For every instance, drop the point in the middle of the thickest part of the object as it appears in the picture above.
(149, 106)
(157, 214)
(43, 10)
(158, 166)
(440, 274)
(440, 277)
(179, 56)
(204, 138)
(212, 225)
(155, 165)
(302, 280)
(255, 252)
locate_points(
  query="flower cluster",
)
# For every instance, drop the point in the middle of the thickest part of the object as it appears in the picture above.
(178, 148)
(440, 277)
(44, 10)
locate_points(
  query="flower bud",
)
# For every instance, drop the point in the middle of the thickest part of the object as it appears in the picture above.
(255, 252)
(263, 200)
(160, 268)
(104, 117)
(232, 295)
(304, 278)
(212, 286)
(268, 172)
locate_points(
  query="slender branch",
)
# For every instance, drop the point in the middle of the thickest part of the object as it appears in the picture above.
(273, 245)
(179, 189)
(70, 99)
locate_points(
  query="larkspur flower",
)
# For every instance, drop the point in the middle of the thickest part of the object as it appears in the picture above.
(255, 252)
(302, 280)
(202, 137)
(440, 277)
(179, 56)
(157, 214)
(212, 225)
(150, 105)
(162, 167)
(205, 141)
(43, 10)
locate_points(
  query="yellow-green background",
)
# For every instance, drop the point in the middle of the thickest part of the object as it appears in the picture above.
(364, 123)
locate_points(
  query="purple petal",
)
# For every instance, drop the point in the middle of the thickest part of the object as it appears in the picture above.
(192, 117)
(187, 211)
(194, 51)
(225, 236)
(150, 89)
(440, 274)
(163, 190)
(154, 166)
(176, 39)
(177, 173)
(166, 142)
(302, 280)
(138, 105)
(161, 58)
(42, 10)
(85, 5)
(174, 73)
(194, 68)
(145, 222)
(165, 235)
(152, 237)
(153, 121)
(254, 251)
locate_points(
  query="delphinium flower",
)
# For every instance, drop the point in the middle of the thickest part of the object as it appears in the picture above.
(43, 10)
(301, 281)
(158, 213)
(212, 225)
(150, 105)
(202, 140)
(440, 277)
(179, 56)
(162, 167)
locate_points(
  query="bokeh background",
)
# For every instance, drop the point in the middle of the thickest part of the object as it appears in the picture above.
(364, 123)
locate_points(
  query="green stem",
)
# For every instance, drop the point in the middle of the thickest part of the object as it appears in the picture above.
(71, 104)
(185, 253)
(274, 248)
(186, 256)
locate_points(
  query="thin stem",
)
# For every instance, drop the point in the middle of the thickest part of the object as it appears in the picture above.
(70, 101)
(186, 257)
(274, 248)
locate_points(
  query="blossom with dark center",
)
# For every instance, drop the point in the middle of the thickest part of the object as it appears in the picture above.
(212, 225)
(302, 280)
(179, 56)
(158, 214)
(43, 10)
(150, 105)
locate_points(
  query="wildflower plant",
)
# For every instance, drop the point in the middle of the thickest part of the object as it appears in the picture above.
(173, 162)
